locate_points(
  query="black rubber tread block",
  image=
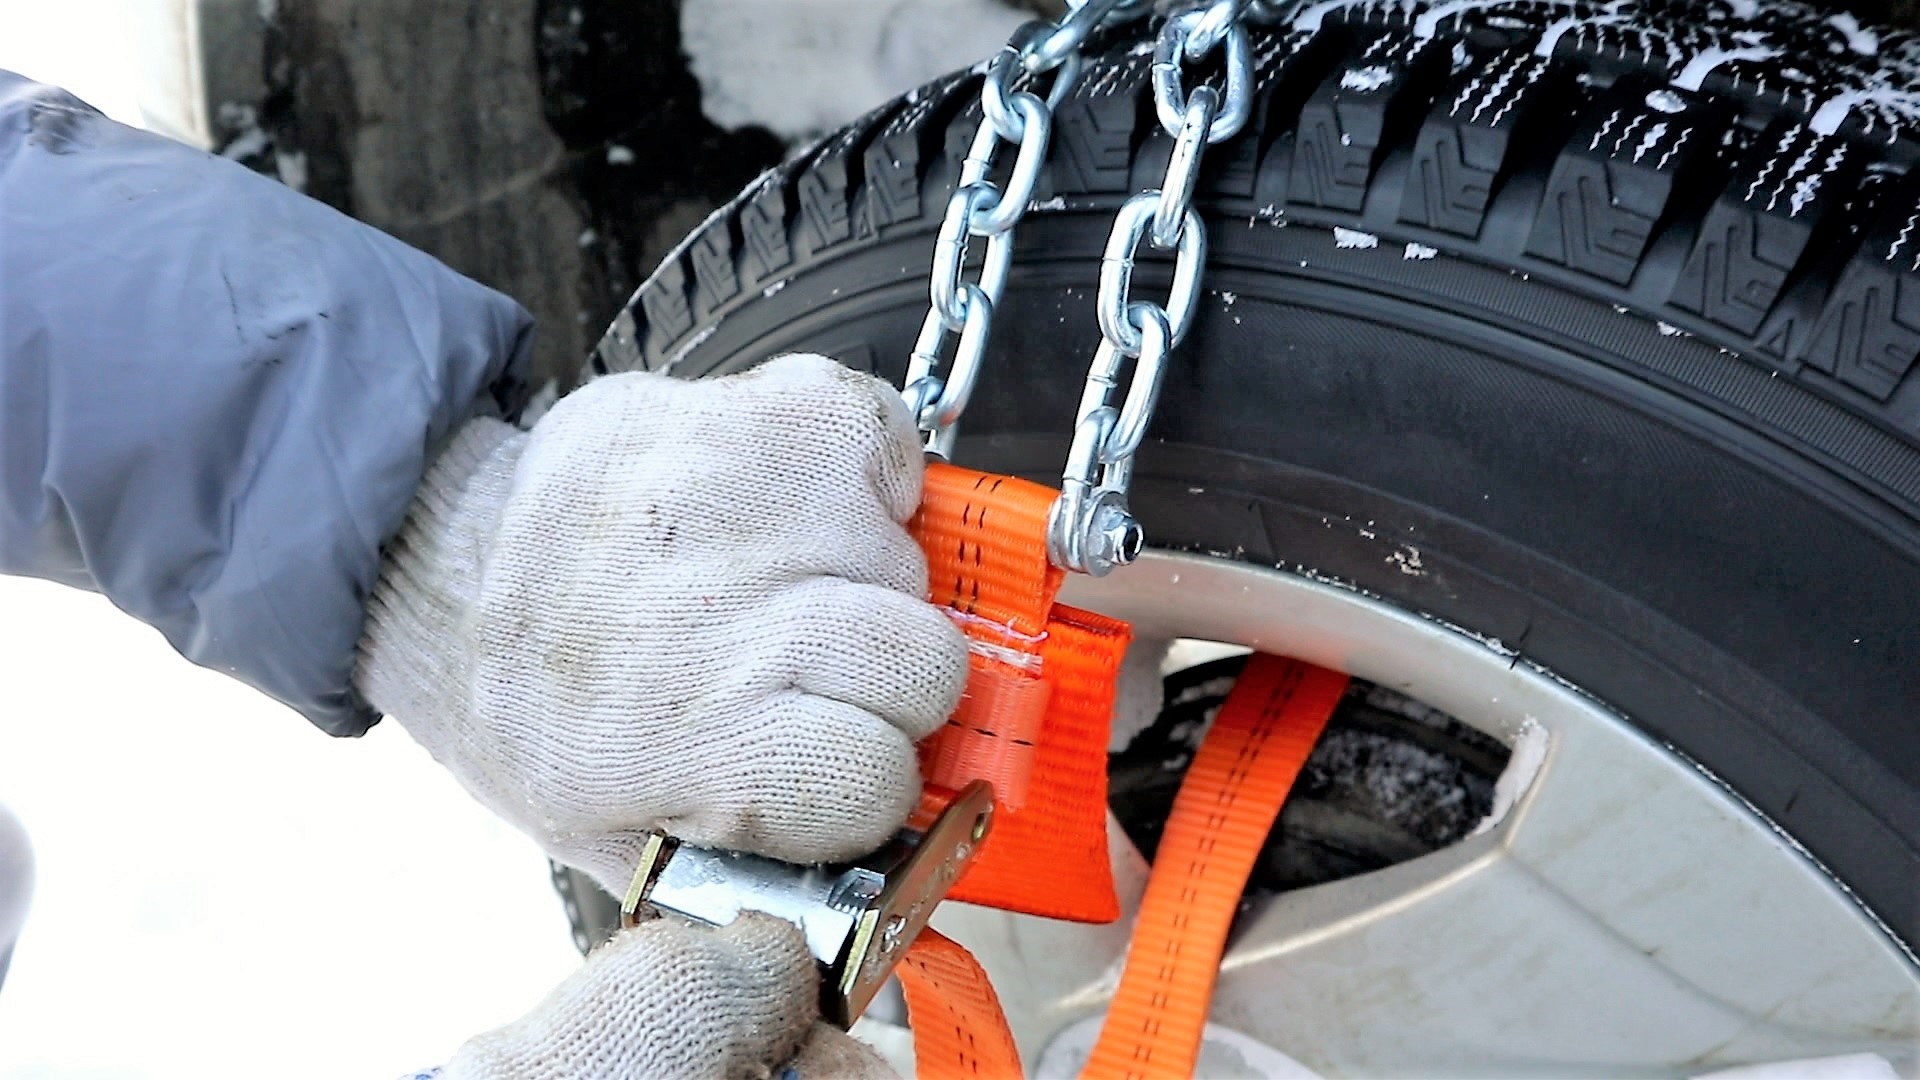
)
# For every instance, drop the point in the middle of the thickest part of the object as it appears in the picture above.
(901, 152)
(619, 348)
(1786, 331)
(664, 298)
(827, 188)
(1868, 333)
(715, 274)
(765, 215)
(1786, 187)
(1287, 67)
(1099, 126)
(1357, 113)
(1461, 150)
(1615, 177)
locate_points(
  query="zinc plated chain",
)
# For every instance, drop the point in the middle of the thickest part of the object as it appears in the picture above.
(981, 207)
(1090, 528)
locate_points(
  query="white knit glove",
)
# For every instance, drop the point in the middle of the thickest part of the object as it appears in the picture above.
(668, 1000)
(678, 605)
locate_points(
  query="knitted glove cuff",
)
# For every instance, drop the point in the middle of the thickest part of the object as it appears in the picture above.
(411, 663)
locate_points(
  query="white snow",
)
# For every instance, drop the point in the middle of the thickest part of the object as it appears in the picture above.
(1842, 1067)
(539, 403)
(803, 67)
(1365, 79)
(1797, 168)
(222, 889)
(249, 138)
(1354, 238)
(1859, 39)
(291, 167)
(1406, 559)
(1524, 758)
(691, 344)
(1652, 138)
(1311, 16)
(1666, 101)
(1833, 112)
(1550, 37)
(1428, 24)
(1694, 75)
(1905, 231)
(1419, 251)
(1776, 158)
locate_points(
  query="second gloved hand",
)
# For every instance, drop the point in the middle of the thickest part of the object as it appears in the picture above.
(679, 605)
(666, 1001)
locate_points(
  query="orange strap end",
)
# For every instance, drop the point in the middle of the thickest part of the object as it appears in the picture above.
(959, 1031)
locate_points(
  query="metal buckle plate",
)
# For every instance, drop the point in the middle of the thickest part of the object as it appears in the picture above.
(858, 917)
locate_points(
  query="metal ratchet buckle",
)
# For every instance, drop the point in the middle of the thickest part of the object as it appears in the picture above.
(858, 917)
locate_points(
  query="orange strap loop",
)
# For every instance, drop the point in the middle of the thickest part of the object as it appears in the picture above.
(1039, 697)
(1220, 820)
(986, 542)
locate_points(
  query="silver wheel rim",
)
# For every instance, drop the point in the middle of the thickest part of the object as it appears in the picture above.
(1621, 913)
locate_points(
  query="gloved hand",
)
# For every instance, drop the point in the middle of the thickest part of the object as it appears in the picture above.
(670, 1000)
(679, 605)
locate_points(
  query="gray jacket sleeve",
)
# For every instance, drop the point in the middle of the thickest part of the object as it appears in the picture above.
(217, 396)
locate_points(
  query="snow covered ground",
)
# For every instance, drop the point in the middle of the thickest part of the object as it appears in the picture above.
(759, 62)
(223, 891)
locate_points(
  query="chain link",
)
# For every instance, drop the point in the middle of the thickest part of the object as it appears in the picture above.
(1090, 528)
(982, 207)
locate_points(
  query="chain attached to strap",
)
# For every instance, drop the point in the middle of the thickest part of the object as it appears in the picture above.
(1090, 528)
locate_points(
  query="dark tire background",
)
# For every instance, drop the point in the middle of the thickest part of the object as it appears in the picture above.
(1638, 406)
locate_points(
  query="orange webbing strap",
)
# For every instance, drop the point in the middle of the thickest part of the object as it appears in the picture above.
(959, 1032)
(1219, 822)
(1039, 697)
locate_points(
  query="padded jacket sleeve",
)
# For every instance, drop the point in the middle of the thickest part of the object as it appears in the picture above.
(217, 395)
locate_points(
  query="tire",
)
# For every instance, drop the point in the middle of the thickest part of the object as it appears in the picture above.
(1616, 372)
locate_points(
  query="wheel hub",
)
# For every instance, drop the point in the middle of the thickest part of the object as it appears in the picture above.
(1617, 911)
